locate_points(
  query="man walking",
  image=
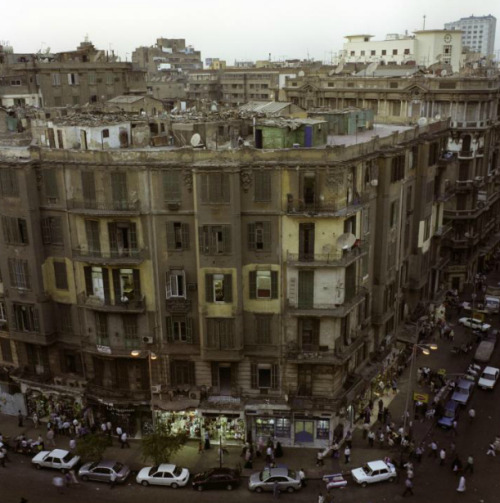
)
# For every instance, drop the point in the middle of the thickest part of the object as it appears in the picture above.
(469, 467)
(408, 488)
(347, 454)
(434, 449)
(124, 440)
(442, 456)
(112, 480)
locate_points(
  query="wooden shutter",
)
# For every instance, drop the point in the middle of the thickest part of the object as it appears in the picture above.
(170, 329)
(267, 239)
(88, 188)
(87, 271)
(50, 183)
(133, 236)
(113, 242)
(253, 376)
(46, 234)
(171, 236)
(189, 330)
(252, 284)
(251, 236)
(137, 282)
(116, 285)
(226, 236)
(209, 287)
(105, 280)
(274, 285)
(191, 374)
(168, 285)
(225, 188)
(36, 321)
(185, 236)
(204, 188)
(275, 376)
(171, 186)
(228, 288)
(215, 374)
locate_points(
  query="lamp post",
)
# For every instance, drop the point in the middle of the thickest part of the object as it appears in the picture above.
(136, 353)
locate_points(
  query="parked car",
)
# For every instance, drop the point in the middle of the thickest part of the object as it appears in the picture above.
(59, 459)
(374, 471)
(474, 323)
(163, 475)
(451, 410)
(489, 378)
(463, 391)
(217, 478)
(288, 480)
(492, 336)
(102, 471)
(484, 351)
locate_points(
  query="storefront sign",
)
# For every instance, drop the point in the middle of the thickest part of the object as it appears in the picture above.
(420, 397)
(104, 349)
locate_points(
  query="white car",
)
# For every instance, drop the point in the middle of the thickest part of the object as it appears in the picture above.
(163, 475)
(488, 378)
(374, 471)
(474, 323)
(58, 459)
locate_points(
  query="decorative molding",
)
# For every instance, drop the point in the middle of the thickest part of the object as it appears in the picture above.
(188, 180)
(246, 179)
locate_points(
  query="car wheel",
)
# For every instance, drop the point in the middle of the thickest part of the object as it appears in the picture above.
(364, 484)
(174, 486)
(145, 483)
(200, 488)
(258, 489)
(290, 489)
(85, 478)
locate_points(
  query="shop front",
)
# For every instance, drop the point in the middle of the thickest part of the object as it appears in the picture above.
(184, 421)
(228, 426)
(312, 431)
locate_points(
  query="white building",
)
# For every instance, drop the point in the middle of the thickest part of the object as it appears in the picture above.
(478, 33)
(424, 48)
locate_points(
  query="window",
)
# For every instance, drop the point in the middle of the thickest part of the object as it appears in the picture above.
(393, 85)
(373, 53)
(395, 108)
(25, 317)
(262, 186)
(176, 284)
(101, 329)
(60, 275)
(130, 331)
(397, 168)
(215, 188)
(105, 133)
(429, 192)
(220, 333)
(119, 190)
(353, 53)
(109, 79)
(394, 52)
(304, 380)
(427, 228)
(362, 53)
(309, 334)
(263, 333)
(393, 214)
(64, 318)
(323, 429)
(182, 373)
(15, 230)
(88, 189)
(56, 79)
(179, 329)
(123, 239)
(126, 283)
(263, 284)
(50, 185)
(19, 273)
(93, 239)
(8, 183)
(219, 287)
(3, 316)
(264, 376)
(92, 79)
(434, 153)
(215, 239)
(73, 79)
(259, 236)
(366, 220)
(171, 187)
(384, 52)
(177, 236)
(6, 351)
(409, 199)
(407, 51)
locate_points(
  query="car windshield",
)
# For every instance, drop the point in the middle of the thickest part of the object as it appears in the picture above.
(488, 377)
(449, 413)
(152, 470)
(67, 458)
(366, 469)
(264, 475)
(117, 467)
(92, 466)
(177, 471)
(291, 474)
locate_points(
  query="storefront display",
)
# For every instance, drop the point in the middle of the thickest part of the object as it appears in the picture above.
(232, 427)
(187, 422)
(46, 404)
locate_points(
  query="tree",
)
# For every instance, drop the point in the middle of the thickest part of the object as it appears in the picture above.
(91, 447)
(160, 445)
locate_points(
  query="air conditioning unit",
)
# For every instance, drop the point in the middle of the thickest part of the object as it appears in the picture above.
(147, 339)
(156, 388)
(194, 394)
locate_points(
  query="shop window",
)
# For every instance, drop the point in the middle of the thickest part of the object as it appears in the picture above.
(323, 429)
(282, 427)
(263, 284)
(265, 427)
(219, 288)
(176, 284)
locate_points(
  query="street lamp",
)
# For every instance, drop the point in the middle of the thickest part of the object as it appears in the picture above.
(151, 356)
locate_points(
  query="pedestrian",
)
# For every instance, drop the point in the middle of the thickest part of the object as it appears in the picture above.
(442, 456)
(58, 483)
(35, 420)
(491, 450)
(380, 405)
(321, 498)
(20, 419)
(469, 467)
(371, 438)
(50, 438)
(319, 459)
(72, 444)
(207, 440)
(104, 428)
(2, 458)
(347, 455)
(119, 432)
(434, 449)
(461, 485)
(112, 480)
(302, 478)
(348, 439)
(472, 415)
(454, 428)
(418, 453)
(453, 448)
(276, 490)
(269, 454)
(74, 480)
(408, 487)
(200, 447)
(124, 440)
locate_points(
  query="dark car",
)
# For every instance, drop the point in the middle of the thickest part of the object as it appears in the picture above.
(217, 478)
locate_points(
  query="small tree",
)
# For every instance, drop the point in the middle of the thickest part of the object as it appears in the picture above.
(91, 447)
(160, 445)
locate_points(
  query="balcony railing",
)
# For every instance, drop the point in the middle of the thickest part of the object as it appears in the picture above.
(97, 207)
(34, 337)
(125, 255)
(335, 208)
(340, 258)
(136, 304)
(113, 391)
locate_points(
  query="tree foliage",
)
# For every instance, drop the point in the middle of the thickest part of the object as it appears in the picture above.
(160, 445)
(91, 447)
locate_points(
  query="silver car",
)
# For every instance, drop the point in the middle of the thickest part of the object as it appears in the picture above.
(102, 471)
(287, 480)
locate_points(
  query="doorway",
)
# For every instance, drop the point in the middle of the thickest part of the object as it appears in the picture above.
(225, 379)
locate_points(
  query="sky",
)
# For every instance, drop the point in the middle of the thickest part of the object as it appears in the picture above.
(228, 29)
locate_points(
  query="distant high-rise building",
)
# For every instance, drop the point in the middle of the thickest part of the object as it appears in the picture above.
(478, 32)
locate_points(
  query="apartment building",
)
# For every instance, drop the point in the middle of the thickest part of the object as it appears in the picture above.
(478, 33)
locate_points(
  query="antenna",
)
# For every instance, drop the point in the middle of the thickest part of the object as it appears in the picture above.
(424, 22)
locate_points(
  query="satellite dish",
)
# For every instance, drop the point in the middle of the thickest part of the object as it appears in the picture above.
(345, 241)
(301, 73)
(437, 117)
(422, 121)
(195, 140)
(444, 73)
(339, 68)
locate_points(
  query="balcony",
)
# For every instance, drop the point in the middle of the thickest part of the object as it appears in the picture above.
(326, 208)
(330, 310)
(471, 124)
(464, 185)
(320, 355)
(116, 394)
(463, 214)
(220, 354)
(445, 159)
(442, 231)
(124, 256)
(337, 258)
(103, 346)
(465, 154)
(135, 305)
(34, 337)
(104, 208)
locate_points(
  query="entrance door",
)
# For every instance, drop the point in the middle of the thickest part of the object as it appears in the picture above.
(225, 380)
(304, 431)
